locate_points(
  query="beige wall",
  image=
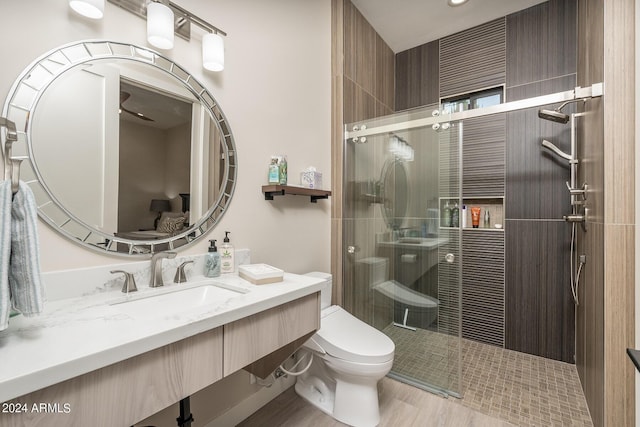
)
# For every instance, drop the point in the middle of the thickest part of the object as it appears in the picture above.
(275, 92)
(605, 317)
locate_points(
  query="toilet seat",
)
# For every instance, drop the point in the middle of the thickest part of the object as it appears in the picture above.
(343, 336)
(406, 296)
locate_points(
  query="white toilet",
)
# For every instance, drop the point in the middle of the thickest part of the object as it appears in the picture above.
(349, 358)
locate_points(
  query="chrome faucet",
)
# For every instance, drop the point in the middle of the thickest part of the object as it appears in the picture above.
(181, 275)
(129, 281)
(156, 267)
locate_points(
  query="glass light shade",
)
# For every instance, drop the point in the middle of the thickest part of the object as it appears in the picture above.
(160, 25)
(93, 9)
(213, 52)
(456, 2)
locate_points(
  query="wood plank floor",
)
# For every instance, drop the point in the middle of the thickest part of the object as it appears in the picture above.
(400, 405)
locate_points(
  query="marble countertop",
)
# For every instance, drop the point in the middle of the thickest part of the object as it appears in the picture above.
(80, 334)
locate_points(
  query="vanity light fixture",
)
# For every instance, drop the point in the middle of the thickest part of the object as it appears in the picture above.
(166, 19)
(160, 20)
(454, 3)
(213, 52)
(93, 9)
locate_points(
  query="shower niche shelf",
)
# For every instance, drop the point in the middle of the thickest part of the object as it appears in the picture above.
(495, 206)
(281, 190)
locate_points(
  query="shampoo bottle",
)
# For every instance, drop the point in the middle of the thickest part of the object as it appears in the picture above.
(212, 261)
(446, 215)
(455, 216)
(464, 216)
(227, 255)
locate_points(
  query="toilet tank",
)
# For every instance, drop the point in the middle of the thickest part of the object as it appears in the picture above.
(325, 293)
(371, 271)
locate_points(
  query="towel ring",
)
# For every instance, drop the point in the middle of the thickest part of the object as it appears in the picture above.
(11, 165)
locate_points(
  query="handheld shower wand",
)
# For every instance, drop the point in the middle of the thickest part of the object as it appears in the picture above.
(552, 147)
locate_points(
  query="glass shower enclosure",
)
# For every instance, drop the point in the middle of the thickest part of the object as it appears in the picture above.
(402, 237)
(402, 232)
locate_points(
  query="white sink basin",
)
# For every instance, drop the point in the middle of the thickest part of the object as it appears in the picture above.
(164, 302)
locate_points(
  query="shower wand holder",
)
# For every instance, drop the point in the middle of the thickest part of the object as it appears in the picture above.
(582, 219)
(578, 192)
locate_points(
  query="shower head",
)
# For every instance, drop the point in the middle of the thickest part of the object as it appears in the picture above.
(557, 115)
(554, 116)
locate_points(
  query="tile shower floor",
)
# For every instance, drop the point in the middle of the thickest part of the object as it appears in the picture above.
(522, 389)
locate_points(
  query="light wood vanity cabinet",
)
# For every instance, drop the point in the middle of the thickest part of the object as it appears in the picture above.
(134, 389)
(127, 391)
(254, 339)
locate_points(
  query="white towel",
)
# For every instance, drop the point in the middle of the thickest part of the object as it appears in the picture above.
(24, 266)
(5, 251)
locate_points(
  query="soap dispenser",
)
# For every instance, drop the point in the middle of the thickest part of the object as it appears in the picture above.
(212, 261)
(227, 255)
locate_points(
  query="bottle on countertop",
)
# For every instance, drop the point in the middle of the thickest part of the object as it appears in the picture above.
(212, 261)
(227, 255)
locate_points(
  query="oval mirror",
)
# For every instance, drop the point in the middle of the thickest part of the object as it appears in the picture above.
(127, 152)
(394, 191)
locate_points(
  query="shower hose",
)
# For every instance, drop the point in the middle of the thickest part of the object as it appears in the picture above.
(575, 281)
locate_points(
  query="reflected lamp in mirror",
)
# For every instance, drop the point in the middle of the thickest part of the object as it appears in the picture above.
(93, 9)
(159, 205)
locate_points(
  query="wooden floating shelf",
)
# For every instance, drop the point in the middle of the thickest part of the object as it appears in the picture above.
(280, 190)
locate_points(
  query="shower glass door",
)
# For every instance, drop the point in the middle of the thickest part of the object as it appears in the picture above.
(402, 257)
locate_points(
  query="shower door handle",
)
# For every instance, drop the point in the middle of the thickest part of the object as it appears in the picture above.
(352, 249)
(450, 258)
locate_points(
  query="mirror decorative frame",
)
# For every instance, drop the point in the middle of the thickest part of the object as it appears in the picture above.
(22, 101)
(392, 217)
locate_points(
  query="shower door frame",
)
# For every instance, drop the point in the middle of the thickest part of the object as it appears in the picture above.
(593, 91)
(360, 133)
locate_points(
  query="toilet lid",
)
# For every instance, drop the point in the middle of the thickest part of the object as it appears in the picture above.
(343, 336)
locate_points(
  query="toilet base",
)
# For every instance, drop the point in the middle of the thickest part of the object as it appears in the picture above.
(357, 404)
(350, 399)
(315, 391)
(350, 403)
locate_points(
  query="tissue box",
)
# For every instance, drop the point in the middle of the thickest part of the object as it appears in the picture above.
(311, 179)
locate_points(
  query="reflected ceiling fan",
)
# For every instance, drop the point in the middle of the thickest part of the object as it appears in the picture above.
(123, 97)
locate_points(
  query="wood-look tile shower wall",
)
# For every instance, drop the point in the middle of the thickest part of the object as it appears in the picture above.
(532, 52)
(366, 80)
